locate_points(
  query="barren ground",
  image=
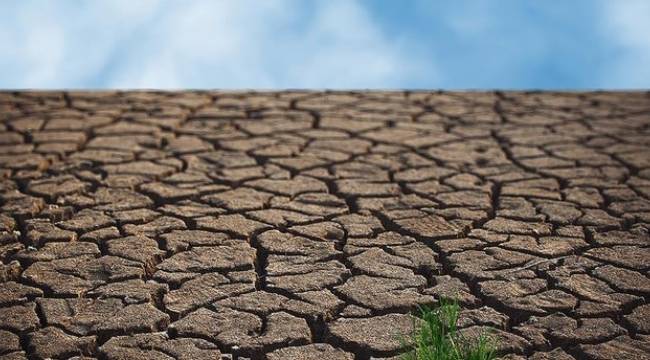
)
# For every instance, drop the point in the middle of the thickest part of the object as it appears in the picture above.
(306, 225)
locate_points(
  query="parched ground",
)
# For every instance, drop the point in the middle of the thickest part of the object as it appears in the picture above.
(306, 225)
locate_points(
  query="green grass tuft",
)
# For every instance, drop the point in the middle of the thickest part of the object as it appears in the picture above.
(435, 337)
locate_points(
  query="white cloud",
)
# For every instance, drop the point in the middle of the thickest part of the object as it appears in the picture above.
(219, 44)
(627, 24)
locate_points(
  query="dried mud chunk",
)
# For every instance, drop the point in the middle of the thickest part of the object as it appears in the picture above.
(240, 199)
(508, 226)
(213, 258)
(167, 193)
(276, 242)
(485, 316)
(155, 227)
(563, 330)
(10, 138)
(7, 224)
(9, 342)
(326, 230)
(366, 188)
(324, 300)
(23, 206)
(120, 199)
(624, 280)
(10, 271)
(315, 204)
(235, 328)
(74, 276)
(353, 311)
(190, 209)
(9, 249)
(359, 225)
(377, 262)
(188, 144)
(598, 218)
(636, 205)
(505, 341)
(144, 168)
(402, 202)
(52, 342)
(31, 164)
(125, 128)
(158, 346)
(518, 208)
(310, 281)
(466, 198)
(131, 291)
(303, 273)
(589, 331)
(78, 137)
(310, 352)
(584, 196)
(19, 318)
(208, 324)
(452, 288)
(235, 224)
(180, 240)
(173, 279)
(228, 159)
(346, 145)
(633, 257)
(54, 251)
(12, 293)
(427, 188)
(237, 175)
(41, 231)
(383, 294)
(101, 235)
(281, 218)
(390, 238)
(376, 335)
(137, 248)
(545, 246)
(103, 156)
(596, 296)
(491, 263)
(459, 213)
(87, 220)
(202, 290)
(135, 216)
(264, 303)
(620, 348)
(638, 319)
(560, 213)
(52, 188)
(527, 295)
(556, 354)
(617, 237)
(102, 316)
(289, 187)
(299, 163)
(422, 174)
(422, 258)
(430, 227)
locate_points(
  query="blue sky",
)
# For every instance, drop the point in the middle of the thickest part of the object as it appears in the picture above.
(264, 44)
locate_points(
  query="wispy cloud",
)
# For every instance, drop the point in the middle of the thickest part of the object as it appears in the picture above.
(324, 44)
(225, 44)
(627, 24)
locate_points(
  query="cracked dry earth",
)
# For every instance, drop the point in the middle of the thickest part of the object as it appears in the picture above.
(307, 225)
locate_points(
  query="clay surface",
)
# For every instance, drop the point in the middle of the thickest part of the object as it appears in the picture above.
(307, 225)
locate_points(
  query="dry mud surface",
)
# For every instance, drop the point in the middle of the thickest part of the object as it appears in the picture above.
(306, 225)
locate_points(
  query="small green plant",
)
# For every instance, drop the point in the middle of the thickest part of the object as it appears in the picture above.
(435, 337)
